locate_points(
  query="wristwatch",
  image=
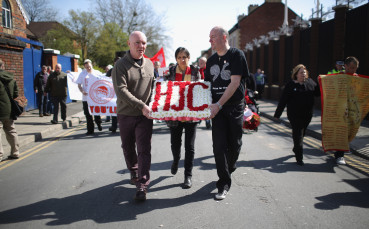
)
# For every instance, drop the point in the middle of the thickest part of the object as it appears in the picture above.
(220, 106)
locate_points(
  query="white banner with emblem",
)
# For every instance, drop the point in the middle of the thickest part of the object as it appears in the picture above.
(101, 98)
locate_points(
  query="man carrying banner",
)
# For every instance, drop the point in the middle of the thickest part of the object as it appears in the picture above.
(133, 78)
(351, 65)
(82, 82)
(227, 71)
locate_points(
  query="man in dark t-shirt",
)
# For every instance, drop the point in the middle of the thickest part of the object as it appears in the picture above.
(227, 71)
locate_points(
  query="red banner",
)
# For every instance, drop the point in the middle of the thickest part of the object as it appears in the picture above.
(159, 56)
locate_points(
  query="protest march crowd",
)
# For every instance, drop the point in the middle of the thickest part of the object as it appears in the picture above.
(220, 90)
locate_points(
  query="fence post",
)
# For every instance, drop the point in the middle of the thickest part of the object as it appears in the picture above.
(296, 46)
(282, 59)
(314, 46)
(253, 67)
(339, 32)
(270, 73)
(262, 58)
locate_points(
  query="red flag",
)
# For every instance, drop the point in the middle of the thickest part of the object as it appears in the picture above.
(159, 56)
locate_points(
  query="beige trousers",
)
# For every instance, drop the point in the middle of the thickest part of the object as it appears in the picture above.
(11, 136)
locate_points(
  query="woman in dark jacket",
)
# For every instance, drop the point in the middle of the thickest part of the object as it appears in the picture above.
(298, 95)
(182, 71)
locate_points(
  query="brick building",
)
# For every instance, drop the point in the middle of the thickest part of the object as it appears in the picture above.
(259, 21)
(13, 25)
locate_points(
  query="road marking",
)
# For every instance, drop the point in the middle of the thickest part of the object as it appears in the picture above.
(351, 160)
(39, 147)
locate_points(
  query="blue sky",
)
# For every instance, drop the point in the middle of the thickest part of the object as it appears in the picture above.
(189, 22)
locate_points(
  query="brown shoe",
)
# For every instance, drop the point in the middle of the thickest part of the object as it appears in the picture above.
(134, 178)
(41, 115)
(141, 194)
(46, 114)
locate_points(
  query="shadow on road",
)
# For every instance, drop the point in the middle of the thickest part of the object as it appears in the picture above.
(110, 203)
(340, 199)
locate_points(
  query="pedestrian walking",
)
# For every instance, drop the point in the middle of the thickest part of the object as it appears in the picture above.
(133, 78)
(8, 91)
(57, 86)
(183, 71)
(227, 71)
(39, 85)
(298, 96)
(82, 82)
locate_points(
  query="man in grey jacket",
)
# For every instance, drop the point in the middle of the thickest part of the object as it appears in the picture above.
(133, 78)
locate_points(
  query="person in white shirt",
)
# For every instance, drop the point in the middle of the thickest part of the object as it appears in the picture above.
(82, 82)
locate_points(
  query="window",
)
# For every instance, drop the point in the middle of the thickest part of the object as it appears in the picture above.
(7, 16)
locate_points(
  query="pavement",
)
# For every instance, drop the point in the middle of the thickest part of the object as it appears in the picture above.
(32, 128)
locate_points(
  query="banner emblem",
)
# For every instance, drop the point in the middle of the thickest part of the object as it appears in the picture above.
(102, 92)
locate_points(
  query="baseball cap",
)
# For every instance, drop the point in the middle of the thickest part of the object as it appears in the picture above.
(87, 61)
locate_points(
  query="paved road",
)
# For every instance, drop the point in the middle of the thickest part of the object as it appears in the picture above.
(75, 181)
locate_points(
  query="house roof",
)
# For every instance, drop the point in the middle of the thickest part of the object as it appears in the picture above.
(40, 28)
(24, 12)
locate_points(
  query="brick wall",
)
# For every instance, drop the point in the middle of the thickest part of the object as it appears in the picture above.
(18, 21)
(14, 63)
(11, 50)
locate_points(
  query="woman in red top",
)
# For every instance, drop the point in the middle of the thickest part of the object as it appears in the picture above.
(182, 71)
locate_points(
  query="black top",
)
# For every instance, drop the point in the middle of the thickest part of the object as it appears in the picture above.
(219, 70)
(299, 99)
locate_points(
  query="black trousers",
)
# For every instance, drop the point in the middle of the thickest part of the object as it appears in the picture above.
(338, 154)
(299, 126)
(89, 119)
(176, 142)
(227, 141)
(41, 102)
(56, 100)
(114, 122)
(260, 89)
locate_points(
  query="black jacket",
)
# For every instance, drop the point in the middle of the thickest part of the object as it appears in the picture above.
(38, 83)
(299, 99)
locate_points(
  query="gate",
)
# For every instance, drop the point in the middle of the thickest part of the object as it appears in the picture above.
(31, 66)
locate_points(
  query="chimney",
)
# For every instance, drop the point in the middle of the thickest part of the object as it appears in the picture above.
(252, 8)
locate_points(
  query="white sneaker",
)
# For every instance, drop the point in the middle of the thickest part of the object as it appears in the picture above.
(1, 158)
(221, 195)
(341, 161)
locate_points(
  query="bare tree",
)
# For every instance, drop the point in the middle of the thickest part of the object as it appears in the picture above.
(133, 15)
(40, 10)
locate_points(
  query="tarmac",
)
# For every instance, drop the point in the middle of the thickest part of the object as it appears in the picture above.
(32, 128)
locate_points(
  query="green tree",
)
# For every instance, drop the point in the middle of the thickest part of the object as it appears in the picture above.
(110, 40)
(86, 27)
